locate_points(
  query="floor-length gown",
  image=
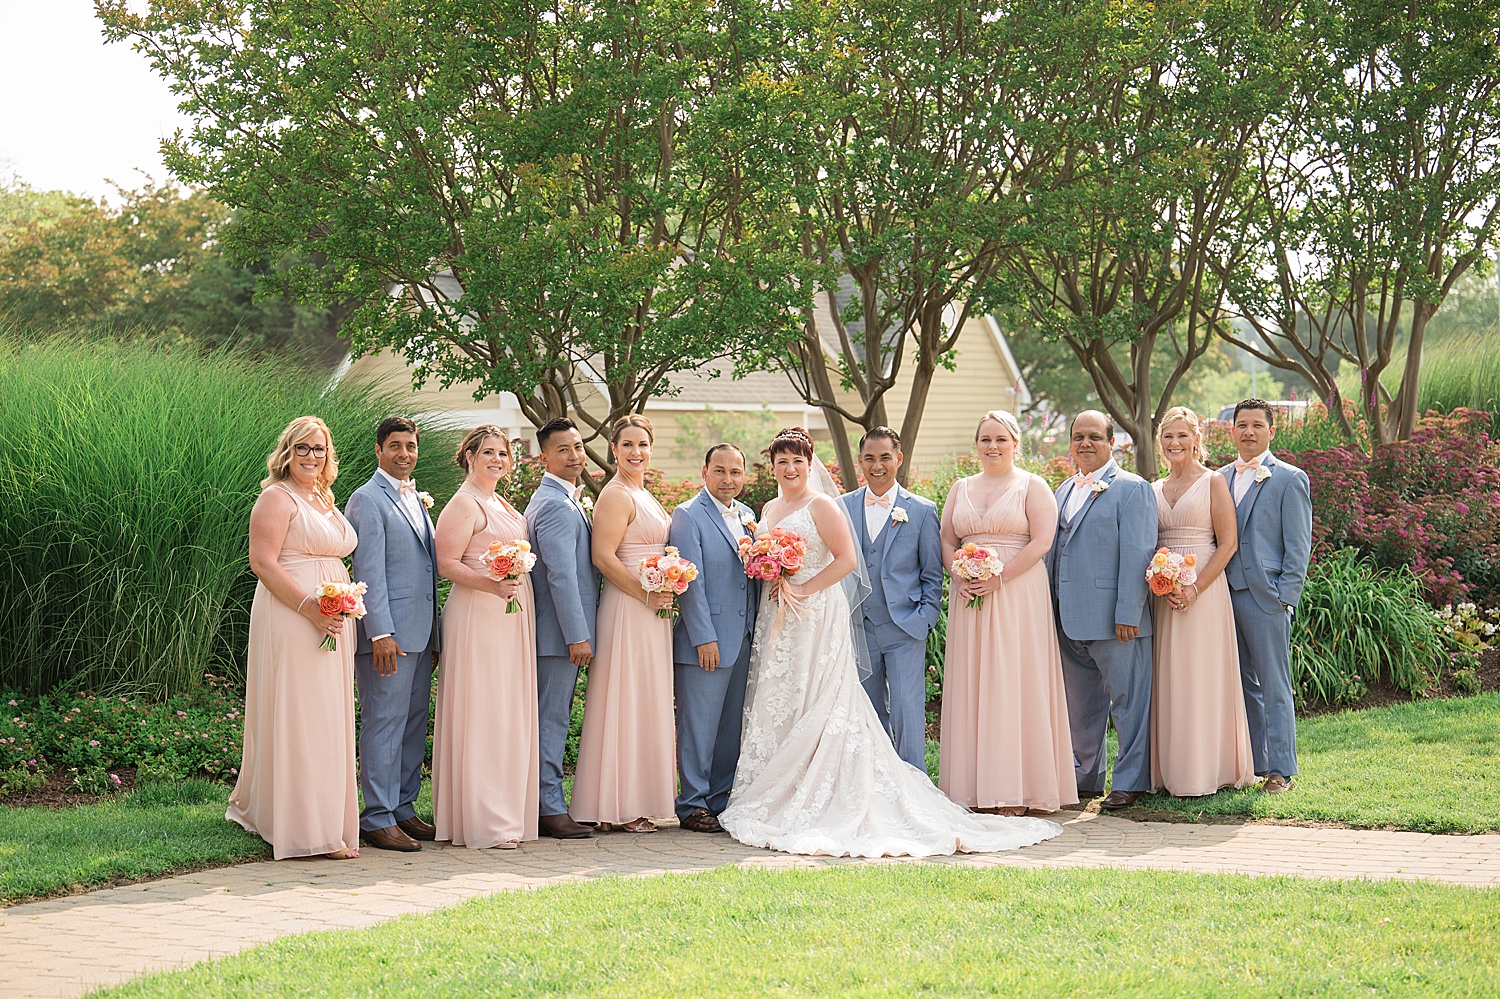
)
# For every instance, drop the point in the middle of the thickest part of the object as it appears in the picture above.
(1005, 736)
(1200, 741)
(296, 785)
(817, 774)
(627, 762)
(484, 747)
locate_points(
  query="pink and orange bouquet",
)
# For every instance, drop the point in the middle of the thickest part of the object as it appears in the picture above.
(509, 560)
(769, 556)
(670, 573)
(976, 563)
(1169, 572)
(337, 599)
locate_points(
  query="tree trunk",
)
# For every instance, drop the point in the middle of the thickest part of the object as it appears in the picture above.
(911, 422)
(817, 371)
(1144, 432)
(1404, 410)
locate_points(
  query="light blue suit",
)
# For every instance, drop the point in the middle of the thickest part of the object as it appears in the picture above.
(1265, 579)
(1097, 567)
(719, 606)
(396, 561)
(566, 587)
(905, 562)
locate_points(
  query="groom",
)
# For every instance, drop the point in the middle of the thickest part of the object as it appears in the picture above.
(398, 638)
(1106, 535)
(566, 588)
(711, 643)
(899, 536)
(1273, 506)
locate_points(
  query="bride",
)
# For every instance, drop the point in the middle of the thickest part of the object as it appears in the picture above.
(817, 774)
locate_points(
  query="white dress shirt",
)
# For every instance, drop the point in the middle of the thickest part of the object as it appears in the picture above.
(572, 489)
(1078, 497)
(1243, 478)
(877, 516)
(731, 519)
(409, 505)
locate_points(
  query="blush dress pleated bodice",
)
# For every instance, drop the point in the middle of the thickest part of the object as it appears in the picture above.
(1005, 736)
(1200, 741)
(627, 755)
(296, 785)
(485, 757)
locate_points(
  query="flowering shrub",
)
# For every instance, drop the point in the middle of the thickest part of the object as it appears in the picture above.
(1469, 626)
(194, 733)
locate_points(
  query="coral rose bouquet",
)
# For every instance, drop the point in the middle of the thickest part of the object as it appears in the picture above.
(769, 556)
(976, 563)
(509, 560)
(670, 573)
(1169, 572)
(337, 599)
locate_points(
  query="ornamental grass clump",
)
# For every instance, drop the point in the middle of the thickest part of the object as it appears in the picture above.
(131, 468)
(1356, 623)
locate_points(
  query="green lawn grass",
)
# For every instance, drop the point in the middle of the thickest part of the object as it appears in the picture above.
(150, 831)
(897, 930)
(1432, 766)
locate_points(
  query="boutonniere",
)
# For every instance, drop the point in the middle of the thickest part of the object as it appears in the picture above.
(426, 499)
(587, 502)
(748, 522)
(1262, 473)
(898, 515)
(1098, 487)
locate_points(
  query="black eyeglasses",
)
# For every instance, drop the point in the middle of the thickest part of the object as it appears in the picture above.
(303, 450)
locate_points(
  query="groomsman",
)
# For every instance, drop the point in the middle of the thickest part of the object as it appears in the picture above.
(566, 588)
(1106, 535)
(1273, 506)
(898, 532)
(712, 639)
(399, 638)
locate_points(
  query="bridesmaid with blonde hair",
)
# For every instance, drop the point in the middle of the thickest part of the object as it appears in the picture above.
(1200, 740)
(485, 756)
(296, 784)
(1006, 745)
(627, 769)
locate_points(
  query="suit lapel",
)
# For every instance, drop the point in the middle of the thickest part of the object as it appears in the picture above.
(888, 532)
(395, 498)
(711, 511)
(1088, 501)
(1242, 509)
(573, 504)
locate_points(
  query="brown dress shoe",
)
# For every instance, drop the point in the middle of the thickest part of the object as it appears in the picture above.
(417, 829)
(1275, 784)
(390, 838)
(701, 820)
(562, 826)
(1120, 799)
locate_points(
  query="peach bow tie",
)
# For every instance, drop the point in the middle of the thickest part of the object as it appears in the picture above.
(872, 500)
(407, 487)
(1241, 465)
(1081, 481)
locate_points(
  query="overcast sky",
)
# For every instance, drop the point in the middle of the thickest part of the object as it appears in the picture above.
(73, 110)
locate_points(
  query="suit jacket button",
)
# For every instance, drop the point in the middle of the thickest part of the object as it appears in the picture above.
(742, 612)
(429, 598)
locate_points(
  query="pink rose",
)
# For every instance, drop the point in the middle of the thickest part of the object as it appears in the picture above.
(791, 559)
(1188, 576)
(652, 579)
(679, 586)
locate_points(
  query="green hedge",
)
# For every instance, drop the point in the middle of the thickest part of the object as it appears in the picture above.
(130, 470)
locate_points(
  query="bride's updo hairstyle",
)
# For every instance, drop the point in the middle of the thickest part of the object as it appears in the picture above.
(793, 440)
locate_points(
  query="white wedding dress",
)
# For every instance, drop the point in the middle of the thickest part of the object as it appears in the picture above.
(817, 774)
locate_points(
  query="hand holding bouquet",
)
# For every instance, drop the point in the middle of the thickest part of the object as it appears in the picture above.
(976, 563)
(509, 560)
(670, 573)
(336, 599)
(1169, 572)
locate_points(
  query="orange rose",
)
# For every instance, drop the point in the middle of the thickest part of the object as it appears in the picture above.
(501, 565)
(331, 606)
(1161, 585)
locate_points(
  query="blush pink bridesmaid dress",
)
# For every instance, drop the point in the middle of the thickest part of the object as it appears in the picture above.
(485, 756)
(296, 785)
(1005, 736)
(1200, 741)
(627, 764)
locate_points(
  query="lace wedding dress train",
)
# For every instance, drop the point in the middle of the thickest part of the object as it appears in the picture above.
(817, 774)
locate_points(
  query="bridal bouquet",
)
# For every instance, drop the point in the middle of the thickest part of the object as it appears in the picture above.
(769, 556)
(1169, 572)
(976, 563)
(509, 560)
(670, 573)
(339, 600)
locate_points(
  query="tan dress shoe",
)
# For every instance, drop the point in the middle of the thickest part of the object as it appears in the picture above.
(390, 838)
(1275, 784)
(1120, 799)
(417, 829)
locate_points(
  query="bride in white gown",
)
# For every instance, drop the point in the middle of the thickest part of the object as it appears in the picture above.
(817, 774)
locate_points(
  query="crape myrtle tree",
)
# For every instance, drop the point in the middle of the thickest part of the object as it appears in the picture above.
(1117, 263)
(1381, 189)
(899, 132)
(545, 199)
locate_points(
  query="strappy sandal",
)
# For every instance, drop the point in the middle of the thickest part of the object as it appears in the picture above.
(509, 844)
(641, 825)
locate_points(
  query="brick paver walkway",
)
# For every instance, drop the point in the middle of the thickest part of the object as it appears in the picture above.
(67, 946)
